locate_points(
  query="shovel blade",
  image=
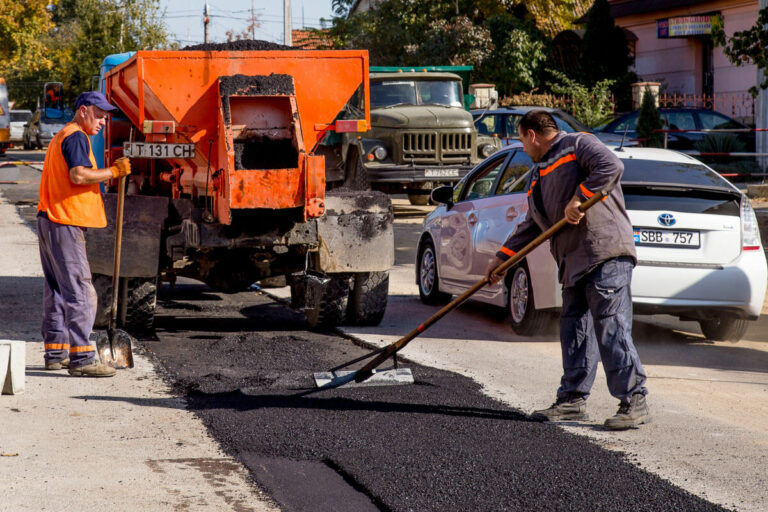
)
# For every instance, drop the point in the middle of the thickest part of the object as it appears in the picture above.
(115, 348)
(393, 377)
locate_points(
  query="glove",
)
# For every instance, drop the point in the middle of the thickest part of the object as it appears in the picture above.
(121, 167)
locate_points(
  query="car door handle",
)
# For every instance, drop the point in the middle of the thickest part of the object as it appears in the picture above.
(511, 213)
(472, 219)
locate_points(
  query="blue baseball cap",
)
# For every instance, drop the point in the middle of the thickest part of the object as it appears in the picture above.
(96, 99)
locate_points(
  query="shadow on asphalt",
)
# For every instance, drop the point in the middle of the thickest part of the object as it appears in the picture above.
(244, 401)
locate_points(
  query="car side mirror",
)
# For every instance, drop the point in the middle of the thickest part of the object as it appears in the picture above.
(444, 195)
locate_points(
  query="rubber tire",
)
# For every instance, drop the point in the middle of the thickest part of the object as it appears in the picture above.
(142, 304)
(430, 295)
(419, 199)
(356, 177)
(524, 318)
(724, 328)
(368, 298)
(331, 312)
(103, 285)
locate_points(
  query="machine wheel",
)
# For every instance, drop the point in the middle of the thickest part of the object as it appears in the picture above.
(103, 285)
(724, 328)
(142, 304)
(368, 299)
(525, 319)
(429, 280)
(332, 306)
(356, 177)
(419, 199)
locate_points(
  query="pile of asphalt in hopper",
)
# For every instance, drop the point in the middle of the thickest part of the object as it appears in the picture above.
(256, 85)
(241, 45)
(440, 444)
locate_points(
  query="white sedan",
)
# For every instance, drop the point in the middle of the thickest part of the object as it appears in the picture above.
(697, 238)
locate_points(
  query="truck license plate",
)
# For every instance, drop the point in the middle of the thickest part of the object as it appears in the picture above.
(441, 173)
(667, 238)
(158, 150)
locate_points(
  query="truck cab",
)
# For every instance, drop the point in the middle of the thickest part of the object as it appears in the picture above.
(421, 135)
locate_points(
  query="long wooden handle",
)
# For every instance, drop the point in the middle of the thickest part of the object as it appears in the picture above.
(367, 370)
(118, 247)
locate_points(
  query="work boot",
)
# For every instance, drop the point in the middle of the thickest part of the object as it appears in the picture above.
(57, 365)
(564, 409)
(93, 369)
(630, 414)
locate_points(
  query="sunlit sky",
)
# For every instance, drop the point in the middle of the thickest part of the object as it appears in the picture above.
(184, 18)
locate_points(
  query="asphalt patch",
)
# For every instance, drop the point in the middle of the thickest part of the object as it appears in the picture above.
(439, 444)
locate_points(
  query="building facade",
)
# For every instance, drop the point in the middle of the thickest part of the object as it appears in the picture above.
(673, 46)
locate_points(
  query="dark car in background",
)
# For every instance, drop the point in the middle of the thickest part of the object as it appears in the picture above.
(502, 122)
(45, 123)
(690, 119)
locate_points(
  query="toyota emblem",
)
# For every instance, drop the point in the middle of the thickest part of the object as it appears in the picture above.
(666, 219)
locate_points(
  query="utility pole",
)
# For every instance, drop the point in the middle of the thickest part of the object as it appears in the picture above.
(206, 21)
(287, 39)
(253, 22)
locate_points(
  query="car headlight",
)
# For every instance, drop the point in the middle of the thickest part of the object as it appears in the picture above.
(380, 152)
(486, 150)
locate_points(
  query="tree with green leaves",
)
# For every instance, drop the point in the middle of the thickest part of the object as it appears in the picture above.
(747, 46)
(499, 38)
(592, 106)
(23, 27)
(89, 30)
(648, 121)
(605, 53)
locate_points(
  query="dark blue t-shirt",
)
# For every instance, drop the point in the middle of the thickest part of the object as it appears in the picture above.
(75, 150)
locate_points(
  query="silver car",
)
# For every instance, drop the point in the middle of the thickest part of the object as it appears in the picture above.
(697, 239)
(45, 123)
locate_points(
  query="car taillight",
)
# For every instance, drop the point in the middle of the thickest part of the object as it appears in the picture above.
(750, 232)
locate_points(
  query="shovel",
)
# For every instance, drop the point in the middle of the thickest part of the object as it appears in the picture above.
(115, 346)
(368, 370)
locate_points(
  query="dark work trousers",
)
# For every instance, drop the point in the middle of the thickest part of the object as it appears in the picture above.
(597, 320)
(69, 299)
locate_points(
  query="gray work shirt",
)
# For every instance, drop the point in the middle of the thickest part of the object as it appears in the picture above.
(576, 164)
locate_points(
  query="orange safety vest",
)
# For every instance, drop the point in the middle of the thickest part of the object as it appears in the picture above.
(62, 200)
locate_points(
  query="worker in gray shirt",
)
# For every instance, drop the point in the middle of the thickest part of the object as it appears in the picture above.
(595, 255)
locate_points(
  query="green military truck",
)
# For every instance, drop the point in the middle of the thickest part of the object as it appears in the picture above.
(421, 134)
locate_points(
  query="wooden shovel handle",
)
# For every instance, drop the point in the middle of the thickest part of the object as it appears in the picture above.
(118, 247)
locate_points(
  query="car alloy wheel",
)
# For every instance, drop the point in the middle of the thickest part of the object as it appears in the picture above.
(518, 295)
(429, 279)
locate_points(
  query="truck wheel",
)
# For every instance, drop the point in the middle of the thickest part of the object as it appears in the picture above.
(356, 177)
(103, 285)
(525, 319)
(332, 307)
(429, 280)
(419, 199)
(724, 328)
(142, 304)
(368, 300)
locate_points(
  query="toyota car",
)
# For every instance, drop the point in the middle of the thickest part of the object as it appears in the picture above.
(697, 239)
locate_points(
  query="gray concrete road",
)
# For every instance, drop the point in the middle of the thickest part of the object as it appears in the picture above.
(73, 444)
(710, 430)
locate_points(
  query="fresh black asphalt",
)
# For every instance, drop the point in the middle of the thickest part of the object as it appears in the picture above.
(245, 365)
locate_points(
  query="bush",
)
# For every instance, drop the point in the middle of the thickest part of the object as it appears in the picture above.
(592, 107)
(649, 120)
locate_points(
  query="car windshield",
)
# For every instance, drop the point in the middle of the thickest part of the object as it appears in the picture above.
(416, 92)
(675, 174)
(20, 116)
